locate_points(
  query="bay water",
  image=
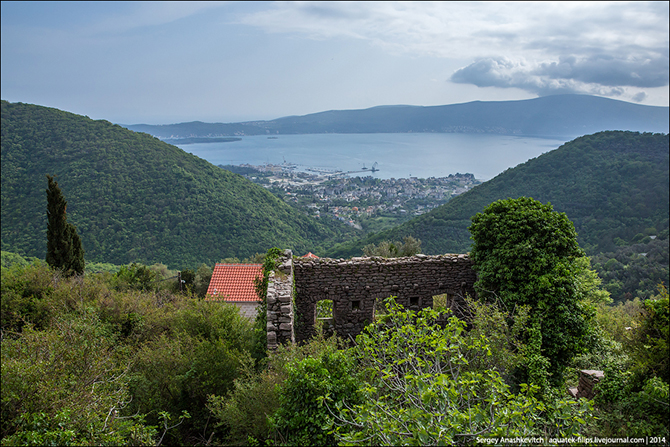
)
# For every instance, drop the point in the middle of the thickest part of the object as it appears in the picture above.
(397, 155)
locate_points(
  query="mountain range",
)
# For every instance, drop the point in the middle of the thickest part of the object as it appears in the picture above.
(548, 116)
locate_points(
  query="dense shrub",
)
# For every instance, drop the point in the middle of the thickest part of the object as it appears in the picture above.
(163, 351)
(423, 387)
(244, 412)
(67, 385)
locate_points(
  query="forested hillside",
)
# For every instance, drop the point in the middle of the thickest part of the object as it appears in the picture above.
(612, 185)
(135, 198)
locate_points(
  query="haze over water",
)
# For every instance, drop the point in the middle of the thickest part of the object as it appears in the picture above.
(398, 155)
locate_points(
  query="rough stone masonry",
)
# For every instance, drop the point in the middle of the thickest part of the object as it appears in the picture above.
(356, 288)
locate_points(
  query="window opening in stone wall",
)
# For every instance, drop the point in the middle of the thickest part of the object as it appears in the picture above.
(379, 309)
(443, 301)
(414, 301)
(324, 309)
(356, 305)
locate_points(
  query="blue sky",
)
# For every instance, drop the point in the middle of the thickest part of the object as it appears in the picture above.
(159, 63)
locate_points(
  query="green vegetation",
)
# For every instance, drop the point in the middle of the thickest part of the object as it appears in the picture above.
(525, 254)
(64, 250)
(634, 268)
(92, 360)
(122, 354)
(632, 348)
(613, 185)
(387, 249)
(426, 385)
(9, 259)
(261, 288)
(126, 359)
(135, 198)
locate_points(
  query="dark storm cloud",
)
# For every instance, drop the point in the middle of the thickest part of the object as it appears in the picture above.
(505, 73)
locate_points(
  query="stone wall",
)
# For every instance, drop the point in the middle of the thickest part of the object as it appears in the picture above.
(355, 286)
(588, 378)
(280, 303)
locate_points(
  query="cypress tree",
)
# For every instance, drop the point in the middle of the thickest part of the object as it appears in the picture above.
(64, 249)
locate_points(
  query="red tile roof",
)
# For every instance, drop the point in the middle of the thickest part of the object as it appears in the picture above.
(234, 282)
(311, 255)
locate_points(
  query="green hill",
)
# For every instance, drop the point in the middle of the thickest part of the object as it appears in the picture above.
(135, 198)
(611, 185)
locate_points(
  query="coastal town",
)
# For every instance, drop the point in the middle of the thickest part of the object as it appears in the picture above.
(364, 202)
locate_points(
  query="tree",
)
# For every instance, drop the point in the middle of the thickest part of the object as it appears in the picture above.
(423, 385)
(650, 343)
(525, 253)
(302, 418)
(64, 249)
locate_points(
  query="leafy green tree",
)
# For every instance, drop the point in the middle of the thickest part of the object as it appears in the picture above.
(423, 386)
(201, 351)
(135, 276)
(525, 253)
(188, 276)
(243, 412)
(202, 278)
(10, 259)
(322, 370)
(651, 342)
(64, 250)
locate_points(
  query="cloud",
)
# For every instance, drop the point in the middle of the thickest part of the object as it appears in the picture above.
(506, 73)
(638, 70)
(543, 48)
(603, 74)
(472, 29)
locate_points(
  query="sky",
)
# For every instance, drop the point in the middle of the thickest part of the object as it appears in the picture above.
(161, 63)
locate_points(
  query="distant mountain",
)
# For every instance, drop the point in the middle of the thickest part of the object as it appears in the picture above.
(135, 198)
(558, 116)
(610, 184)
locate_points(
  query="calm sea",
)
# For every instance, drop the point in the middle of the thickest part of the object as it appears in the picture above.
(397, 155)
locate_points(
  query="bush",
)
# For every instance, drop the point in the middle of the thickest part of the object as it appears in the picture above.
(650, 344)
(243, 413)
(314, 373)
(387, 249)
(200, 350)
(622, 411)
(423, 388)
(24, 293)
(66, 385)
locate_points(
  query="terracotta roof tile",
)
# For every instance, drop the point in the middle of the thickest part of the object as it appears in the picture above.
(311, 255)
(234, 282)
